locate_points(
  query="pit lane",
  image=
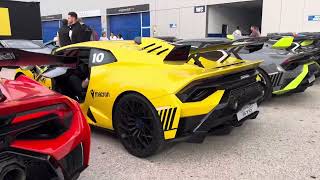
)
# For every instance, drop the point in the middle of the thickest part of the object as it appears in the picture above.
(282, 143)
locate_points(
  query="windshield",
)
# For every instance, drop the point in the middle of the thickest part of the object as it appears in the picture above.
(22, 44)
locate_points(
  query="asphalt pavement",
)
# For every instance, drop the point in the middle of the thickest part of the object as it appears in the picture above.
(282, 143)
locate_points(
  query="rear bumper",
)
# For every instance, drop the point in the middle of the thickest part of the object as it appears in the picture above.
(194, 129)
(298, 80)
(39, 166)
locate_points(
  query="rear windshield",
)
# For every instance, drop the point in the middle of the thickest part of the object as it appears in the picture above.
(22, 44)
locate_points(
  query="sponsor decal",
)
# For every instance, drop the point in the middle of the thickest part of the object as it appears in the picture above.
(97, 94)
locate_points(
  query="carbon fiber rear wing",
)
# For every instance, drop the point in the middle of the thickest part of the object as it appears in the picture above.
(229, 48)
(14, 58)
(232, 45)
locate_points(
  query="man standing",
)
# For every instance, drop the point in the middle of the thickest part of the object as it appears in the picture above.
(237, 33)
(63, 34)
(76, 29)
(255, 32)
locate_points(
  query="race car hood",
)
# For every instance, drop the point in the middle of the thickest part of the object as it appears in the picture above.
(21, 89)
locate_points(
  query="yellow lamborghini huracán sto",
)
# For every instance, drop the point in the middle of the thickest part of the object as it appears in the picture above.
(151, 92)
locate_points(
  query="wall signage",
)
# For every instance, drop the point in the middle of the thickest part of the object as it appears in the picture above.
(199, 9)
(128, 9)
(314, 18)
(51, 17)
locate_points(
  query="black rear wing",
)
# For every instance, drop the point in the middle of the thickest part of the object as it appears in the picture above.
(14, 58)
(232, 47)
(227, 48)
(237, 44)
(301, 58)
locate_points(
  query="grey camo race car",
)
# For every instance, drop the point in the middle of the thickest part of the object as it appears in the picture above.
(282, 70)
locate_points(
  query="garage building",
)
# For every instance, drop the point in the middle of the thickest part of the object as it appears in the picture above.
(184, 18)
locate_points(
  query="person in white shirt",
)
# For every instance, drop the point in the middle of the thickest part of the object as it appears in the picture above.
(237, 33)
(104, 37)
(113, 37)
(120, 37)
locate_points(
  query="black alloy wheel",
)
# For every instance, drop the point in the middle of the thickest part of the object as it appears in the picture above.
(138, 126)
(267, 85)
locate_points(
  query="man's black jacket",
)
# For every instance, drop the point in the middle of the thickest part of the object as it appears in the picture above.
(64, 37)
(80, 33)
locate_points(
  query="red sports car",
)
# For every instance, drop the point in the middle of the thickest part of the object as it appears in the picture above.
(43, 135)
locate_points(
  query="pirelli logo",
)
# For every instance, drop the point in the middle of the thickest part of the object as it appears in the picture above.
(5, 26)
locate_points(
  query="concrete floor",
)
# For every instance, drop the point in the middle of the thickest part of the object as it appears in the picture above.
(283, 143)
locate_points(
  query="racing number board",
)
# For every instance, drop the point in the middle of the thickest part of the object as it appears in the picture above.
(5, 27)
(100, 57)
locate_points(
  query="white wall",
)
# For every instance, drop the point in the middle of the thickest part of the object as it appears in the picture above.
(189, 24)
(233, 17)
(289, 16)
(162, 12)
(278, 15)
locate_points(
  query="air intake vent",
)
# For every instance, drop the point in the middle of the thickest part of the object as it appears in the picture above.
(276, 79)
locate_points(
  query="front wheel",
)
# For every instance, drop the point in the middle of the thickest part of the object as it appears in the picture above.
(138, 126)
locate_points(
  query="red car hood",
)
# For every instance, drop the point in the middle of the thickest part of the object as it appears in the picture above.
(23, 89)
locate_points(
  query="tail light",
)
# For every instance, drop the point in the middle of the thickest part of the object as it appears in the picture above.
(290, 64)
(299, 59)
(59, 120)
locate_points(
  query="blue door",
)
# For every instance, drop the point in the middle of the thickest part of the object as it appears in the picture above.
(128, 25)
(49, 30)
(145, 24)
(94, 23)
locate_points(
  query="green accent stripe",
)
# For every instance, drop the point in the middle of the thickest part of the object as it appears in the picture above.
(296, 82)
(283, 43)
(307, 43)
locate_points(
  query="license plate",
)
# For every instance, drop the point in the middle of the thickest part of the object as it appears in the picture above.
(312, 79)
(246, 111)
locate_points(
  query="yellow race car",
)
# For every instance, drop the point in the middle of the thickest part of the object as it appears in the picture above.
(151, 92)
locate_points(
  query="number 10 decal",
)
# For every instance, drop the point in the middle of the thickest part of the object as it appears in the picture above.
(97, 57)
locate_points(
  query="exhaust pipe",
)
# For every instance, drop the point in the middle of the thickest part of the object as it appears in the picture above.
(13, 172)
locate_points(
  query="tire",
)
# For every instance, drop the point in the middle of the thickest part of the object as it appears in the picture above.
(12, 169)
(267, 85)
(138, 126)
(18, 75)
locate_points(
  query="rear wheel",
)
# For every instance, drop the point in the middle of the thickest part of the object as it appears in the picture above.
(267, 85)
(138, 126)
